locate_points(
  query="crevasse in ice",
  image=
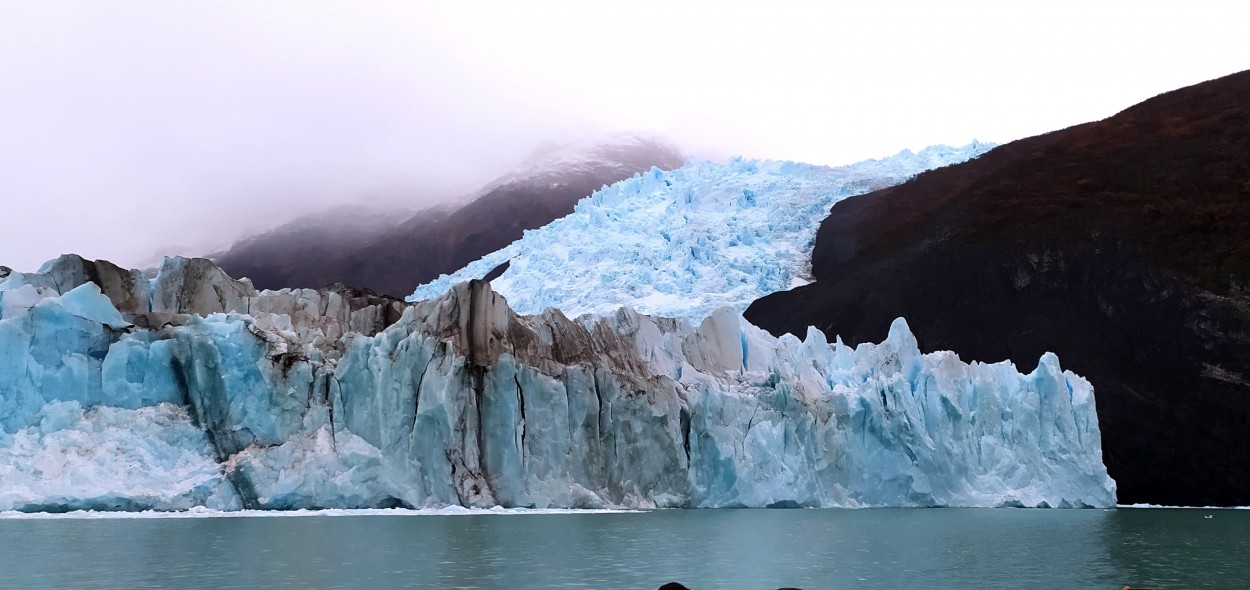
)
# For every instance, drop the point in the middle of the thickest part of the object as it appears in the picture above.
(208, 393)
(685, 242)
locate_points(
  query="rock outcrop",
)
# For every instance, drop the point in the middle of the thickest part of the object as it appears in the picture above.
(1121, 245)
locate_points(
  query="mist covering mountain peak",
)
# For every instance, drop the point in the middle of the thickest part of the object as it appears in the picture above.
(392, 249)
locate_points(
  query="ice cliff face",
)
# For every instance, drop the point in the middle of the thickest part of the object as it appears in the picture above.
(96, 408)
(686, 242)
(206, 392)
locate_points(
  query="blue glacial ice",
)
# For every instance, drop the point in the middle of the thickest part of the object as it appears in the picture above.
(685, 242)
(110, 458)
(218, 395)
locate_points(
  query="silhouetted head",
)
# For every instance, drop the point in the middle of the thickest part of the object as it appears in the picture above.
(679, 586)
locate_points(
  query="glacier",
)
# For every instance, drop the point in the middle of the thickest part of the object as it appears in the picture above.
(685, 242)
(192, 389)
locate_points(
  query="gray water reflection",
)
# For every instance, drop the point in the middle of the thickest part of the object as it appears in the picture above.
(1181, 548)
(706, 549)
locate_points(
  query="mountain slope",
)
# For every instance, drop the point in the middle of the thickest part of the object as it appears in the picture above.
(1122, 245)
(685, 242)
(312, 249)
(391, 255)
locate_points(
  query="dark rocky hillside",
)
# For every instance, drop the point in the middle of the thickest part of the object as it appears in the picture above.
(1121, 245)
(312, 250)
(393, 253)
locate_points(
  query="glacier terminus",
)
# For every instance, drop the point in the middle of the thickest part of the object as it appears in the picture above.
(120, 392)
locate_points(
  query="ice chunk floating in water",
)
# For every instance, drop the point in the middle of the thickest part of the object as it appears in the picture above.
(323, 399)
(685, 242)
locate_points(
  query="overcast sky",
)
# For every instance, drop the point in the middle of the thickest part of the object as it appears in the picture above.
(132, 128)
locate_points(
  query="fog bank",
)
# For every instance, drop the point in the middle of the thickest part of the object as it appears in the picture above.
(132, 128)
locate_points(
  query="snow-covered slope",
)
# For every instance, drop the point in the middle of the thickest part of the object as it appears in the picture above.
(685, 242)
(322, 399)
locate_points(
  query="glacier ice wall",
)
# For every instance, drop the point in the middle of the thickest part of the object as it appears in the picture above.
(685, 242)
(221, 396)
(110, 458)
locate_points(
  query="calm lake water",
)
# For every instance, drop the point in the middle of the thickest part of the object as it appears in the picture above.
(705, 549)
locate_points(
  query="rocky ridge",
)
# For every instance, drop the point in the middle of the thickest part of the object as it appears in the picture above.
(1122, 245)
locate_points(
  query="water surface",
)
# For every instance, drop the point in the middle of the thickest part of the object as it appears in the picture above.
(705, 549)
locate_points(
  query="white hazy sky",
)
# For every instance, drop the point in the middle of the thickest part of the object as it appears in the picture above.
(129, 128)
